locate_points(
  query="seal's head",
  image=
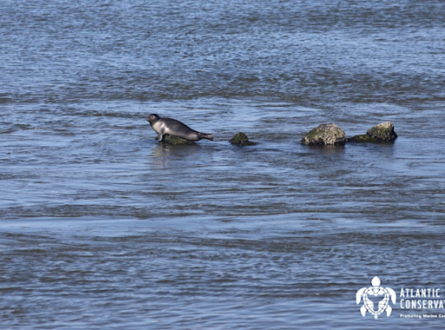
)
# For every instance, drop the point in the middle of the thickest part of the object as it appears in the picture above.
(153, 118)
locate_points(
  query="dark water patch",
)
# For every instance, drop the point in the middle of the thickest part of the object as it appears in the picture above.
(17, 127)
(275, 51)
(5, 98)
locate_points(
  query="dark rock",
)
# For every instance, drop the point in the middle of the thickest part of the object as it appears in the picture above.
(175, 140)
(383, 132)
(361, 139)
(241, 139)
(324, 134)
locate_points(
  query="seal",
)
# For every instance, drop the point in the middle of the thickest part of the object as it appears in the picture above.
(174, 127)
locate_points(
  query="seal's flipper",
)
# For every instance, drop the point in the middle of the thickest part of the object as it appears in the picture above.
(205, 136)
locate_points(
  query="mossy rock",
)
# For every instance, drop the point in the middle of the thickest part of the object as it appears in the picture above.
(383, 132)
(175, 140)
(362, 139)
(241, 139)
(324, 135)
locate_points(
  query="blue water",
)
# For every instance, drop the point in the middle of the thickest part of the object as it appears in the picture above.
(101, 226)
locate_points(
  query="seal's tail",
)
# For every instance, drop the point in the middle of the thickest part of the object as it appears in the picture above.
(205, 136)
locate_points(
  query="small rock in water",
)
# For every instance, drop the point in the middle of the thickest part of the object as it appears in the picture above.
(241, 139)
(383, 132)
(363, 138)
(325, 134)
(175, 140)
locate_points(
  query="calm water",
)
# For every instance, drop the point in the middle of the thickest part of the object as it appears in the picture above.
(103, 227)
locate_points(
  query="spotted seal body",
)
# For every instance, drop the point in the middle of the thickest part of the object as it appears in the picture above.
(174, 127)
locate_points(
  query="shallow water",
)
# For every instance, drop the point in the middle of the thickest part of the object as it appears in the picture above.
(102, 226)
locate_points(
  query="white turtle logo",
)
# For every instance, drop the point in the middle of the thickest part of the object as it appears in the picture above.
(376, 291)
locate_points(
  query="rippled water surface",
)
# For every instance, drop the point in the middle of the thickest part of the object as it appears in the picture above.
(103, 227)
